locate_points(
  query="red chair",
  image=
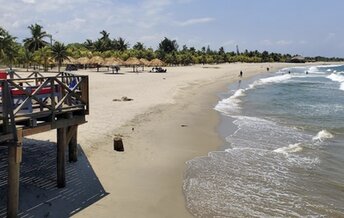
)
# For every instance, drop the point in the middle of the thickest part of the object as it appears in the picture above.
(3, 75)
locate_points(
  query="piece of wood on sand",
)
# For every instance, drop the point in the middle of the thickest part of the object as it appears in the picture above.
(118, 144)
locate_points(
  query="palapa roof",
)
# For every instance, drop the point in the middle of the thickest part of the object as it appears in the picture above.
(113, 61)
(157, 63)
(70, 60)
(145, 61)
(133, 61)
(96, 60)
(51, 61)
(83, 60)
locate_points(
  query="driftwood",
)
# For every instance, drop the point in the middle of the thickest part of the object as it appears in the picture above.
(124, 98)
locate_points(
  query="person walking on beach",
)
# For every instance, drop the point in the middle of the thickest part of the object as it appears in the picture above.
(240, 75)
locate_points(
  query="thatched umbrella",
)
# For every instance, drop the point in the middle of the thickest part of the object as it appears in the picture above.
(96, 60)
(108, 61)
(113, 61)
(144, 62)
(133, 62)
(51, 62)
(118, 61)
(82, 60)
(156, 63)
(70, 60)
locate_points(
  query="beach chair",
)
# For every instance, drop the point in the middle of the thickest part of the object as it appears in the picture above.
(3, 75)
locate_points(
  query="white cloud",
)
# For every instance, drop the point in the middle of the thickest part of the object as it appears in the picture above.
(229, 43)
(266, 42)
(151, 38)
(29, 1)
(196, 21)
(284, 42)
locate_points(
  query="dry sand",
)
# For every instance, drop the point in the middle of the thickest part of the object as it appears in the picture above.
(170, 120)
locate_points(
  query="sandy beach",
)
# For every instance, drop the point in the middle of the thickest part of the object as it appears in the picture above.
(169, 121)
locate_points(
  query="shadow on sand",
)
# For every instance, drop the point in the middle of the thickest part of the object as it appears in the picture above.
(39, 195)
(110, 73)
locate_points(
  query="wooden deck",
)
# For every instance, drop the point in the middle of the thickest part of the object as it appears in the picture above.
(36, 104)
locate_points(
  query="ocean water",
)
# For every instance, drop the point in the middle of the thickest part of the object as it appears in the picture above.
(286, 155)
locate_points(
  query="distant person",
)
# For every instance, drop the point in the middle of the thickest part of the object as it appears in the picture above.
(306, 72)
(289, 72)
(267, 69)
(240, 74)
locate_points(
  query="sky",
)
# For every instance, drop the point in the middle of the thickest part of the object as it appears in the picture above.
(304, 27)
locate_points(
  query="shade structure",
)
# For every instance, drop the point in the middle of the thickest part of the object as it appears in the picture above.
(83, 60)
(113, 61)
(133, 62)
(156, 63)
(51, 61)
(96, 60)
(70, 60)
(145, 61)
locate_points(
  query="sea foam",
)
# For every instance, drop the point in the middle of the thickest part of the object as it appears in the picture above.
(322, 135)
(274, 79)
(337, 78)
(232, 103)
(292, 148)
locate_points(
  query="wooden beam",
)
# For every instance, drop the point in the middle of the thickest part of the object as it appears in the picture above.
(71, 132)
(62, 123)
(76, 120)
(14, 160)
(61, 162)
(37, 129)
(72, 139)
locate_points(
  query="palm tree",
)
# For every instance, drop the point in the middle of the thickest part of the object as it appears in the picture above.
(105, 35)
(105, 41)
(122, 45)
(28, 58)
(36, 41)
(59, 53)
(89, 44)
(43, 55)
(6, 43)
(139, 46)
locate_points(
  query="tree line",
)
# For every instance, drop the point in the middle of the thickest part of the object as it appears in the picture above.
(36, 50)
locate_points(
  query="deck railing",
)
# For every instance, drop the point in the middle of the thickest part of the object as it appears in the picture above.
(38, 96)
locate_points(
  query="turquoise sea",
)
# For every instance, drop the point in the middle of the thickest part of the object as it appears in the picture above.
(284, 152)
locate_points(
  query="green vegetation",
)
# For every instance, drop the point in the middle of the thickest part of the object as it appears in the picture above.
(59, 53)
(35, 50)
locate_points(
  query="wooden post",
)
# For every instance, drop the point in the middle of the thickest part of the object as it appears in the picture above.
(84, 93)
(14, 160)
(61, 162)
(118, 144)
(73, 144)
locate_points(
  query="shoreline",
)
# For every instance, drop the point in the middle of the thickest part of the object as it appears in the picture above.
(174, 121)
(157, 197)
(149, 174)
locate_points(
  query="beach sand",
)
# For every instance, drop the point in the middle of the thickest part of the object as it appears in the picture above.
(169, 121)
